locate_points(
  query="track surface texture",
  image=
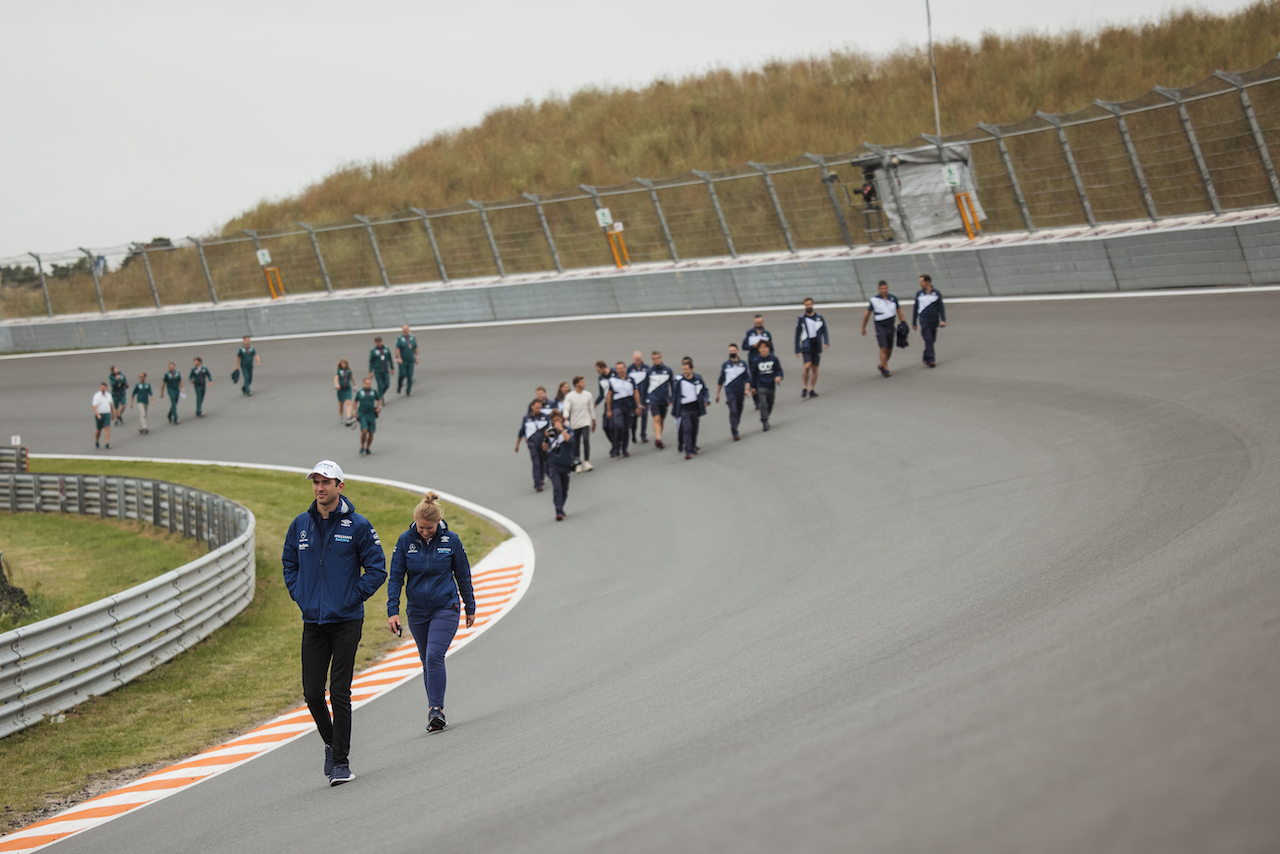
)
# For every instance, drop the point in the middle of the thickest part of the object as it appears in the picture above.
(1026, 601)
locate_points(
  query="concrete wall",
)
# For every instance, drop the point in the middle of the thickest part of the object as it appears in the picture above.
(1246, 254)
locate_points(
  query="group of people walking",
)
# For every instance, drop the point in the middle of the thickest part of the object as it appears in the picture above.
(557, 431)
(332, 563)
(109, 402)
(363, 406)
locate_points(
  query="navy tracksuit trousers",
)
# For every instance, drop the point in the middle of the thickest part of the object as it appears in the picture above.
(928, 334)
(559, 476)
(689, 431)
(622, 418)
(735, 410)
(433, 633)
(539, 458)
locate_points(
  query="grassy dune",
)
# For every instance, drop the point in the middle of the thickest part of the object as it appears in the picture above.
(780, 110)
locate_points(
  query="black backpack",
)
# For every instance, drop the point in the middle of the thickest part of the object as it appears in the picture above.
(903, 332)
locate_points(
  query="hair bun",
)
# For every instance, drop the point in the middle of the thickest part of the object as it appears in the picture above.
(430, 496)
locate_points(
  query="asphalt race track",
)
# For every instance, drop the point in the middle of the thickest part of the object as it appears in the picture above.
(1026, 601)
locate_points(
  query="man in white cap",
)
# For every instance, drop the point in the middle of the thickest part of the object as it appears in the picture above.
(333, 561)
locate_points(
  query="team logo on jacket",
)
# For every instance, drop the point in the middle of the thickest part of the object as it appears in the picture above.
(302, 535)
(444, 551)
(342, 538)
(346, 523)
(413, 549)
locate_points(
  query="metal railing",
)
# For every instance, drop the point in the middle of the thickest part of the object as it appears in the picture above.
(54, 664)
(1205, 148)
(13, 458)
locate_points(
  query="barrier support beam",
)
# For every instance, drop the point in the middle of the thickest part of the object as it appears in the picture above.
(315, 245)
(777, 206)
(662, 217)
(1185, 117)
(829, 179)
(377, 254)
(1071, 164)
(488, 232)
(435, 249)
(44, 285)
(1258, 139)
(715, 201)
(546, 230)
(1013, 176)
(1114, 109)
(97, 285)
(204, 265)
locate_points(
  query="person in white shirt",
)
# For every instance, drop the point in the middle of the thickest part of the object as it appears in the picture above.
(884, 307)
(580, 411)
(101, 414)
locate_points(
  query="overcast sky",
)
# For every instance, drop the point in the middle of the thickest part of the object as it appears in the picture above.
(130, 119)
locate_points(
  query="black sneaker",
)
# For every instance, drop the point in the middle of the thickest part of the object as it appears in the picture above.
(328, 761)
(435, 719)
(766, 427)
(341, 774)
(884, 372)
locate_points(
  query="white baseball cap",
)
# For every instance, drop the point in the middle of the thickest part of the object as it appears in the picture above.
(327, 468)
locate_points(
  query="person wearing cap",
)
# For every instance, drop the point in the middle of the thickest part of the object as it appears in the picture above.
(380, 366)
(431, 563)
(368, 407)
(406, 358)
(332, 562)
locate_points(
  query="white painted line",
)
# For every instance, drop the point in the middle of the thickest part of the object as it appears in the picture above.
(482, 324)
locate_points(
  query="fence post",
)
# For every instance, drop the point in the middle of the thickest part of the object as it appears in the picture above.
(1013, 176)
(1071, 164)
(1147, 200)
(488, 232)
(715, 200)
(829, 180)
(208, 277)
(431, 235)
(44, 286)
(546, 230)
(1258, 139)
(97, 285)
(777, 206)
(151, 280)
(1176, 96)
(315, 245)
(888, 161)
(377, 254)
(662, 218)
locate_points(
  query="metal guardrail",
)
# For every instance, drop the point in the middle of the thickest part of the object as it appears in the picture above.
(13, 459)
(54, 664)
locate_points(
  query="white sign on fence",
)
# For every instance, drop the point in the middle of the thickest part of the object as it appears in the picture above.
(616, 227)
(264, 257)
(950, 175)
(604, 217)
(15, 440)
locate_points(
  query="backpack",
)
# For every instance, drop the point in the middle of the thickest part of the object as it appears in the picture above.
(903, 332)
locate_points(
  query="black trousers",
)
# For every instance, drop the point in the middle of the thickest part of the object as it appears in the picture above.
(689, 430)
(764, 401)
(582, 444)
(928, 334)
(329, 649)
(641, 420)
(622, 419)
(559, 477)
(735, 410)
(538, 457)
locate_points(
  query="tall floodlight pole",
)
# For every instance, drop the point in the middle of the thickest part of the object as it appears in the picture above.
(933, 72)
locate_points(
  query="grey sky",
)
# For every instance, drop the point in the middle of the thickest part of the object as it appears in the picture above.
(132, 119)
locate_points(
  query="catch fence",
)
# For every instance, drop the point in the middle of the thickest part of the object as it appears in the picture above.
(1202, 149)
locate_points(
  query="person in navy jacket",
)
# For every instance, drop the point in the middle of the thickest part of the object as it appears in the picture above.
(930, 313)
(689, 404)
(431, 562)
(620, 404)
(531, 429)
(884, 307)
(766, 374)
(333, 561)
(603, 374)
(558, 446)
(658, 393)
(811, 340)
(638, 373)
(734, 379)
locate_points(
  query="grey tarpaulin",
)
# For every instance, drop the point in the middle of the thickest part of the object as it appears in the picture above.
(926, 192)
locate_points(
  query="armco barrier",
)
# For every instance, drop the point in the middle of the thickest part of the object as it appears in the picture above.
(56, 663)
(1241, 248)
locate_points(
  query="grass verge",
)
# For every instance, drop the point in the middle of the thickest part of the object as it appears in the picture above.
(245, 673)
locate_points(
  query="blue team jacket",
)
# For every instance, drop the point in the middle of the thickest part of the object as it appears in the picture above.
(433, 572)
(677, 408)
(323, 573)
(741, 377)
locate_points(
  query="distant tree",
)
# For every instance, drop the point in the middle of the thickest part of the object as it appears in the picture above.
(18, 275)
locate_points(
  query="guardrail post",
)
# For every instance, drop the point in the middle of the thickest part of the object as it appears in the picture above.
(122, 506)
(829, 180)
(151, 280)
(1071, 164)
(1013, 176)
(435, 249)
(546, 230)
(1185, 117)
(204, 265)
(156, 518)
(97, 285)
(662, 218)
(315, 246)
(102, 497)
(777, 206)
(44, 286)
(377, 254)
(1258, 139)
(488, 232)
(1133, 156)
(715, 201)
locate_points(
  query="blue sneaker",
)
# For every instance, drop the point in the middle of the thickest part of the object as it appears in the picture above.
(341, 774)
(435, 719)
(328, 760)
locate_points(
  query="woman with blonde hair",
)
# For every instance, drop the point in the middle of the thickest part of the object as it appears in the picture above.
(342, 382)
(431, 563)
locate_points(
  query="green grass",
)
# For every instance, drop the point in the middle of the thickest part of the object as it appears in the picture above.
(63, 562)
(245, 673)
